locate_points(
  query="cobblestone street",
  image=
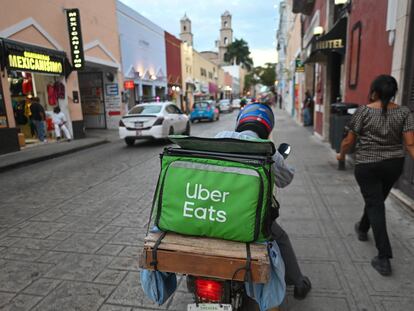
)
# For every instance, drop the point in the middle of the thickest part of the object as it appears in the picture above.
(72, 229)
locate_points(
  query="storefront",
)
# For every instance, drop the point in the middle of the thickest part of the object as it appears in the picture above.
(32, 73)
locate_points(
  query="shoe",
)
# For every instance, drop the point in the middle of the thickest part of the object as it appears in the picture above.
(382, 265)
(300, 292)
(362, 236)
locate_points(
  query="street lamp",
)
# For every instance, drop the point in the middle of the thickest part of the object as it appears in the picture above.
(173, 88)
(318, 30)
(339, 2)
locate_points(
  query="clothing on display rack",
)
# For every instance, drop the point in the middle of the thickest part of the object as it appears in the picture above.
(51, 95)
(27, 86)
(59, 89)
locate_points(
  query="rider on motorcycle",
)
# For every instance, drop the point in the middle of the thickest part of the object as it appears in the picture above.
(256, 121)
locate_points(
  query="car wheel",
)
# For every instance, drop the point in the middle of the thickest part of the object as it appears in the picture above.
(129, 141)
(187, 129)
(192, 120)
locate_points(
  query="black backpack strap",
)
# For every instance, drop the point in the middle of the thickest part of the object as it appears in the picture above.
(153, 200)
(154, 261)
(248, 275)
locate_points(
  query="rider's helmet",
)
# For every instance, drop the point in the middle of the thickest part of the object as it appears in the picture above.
(258, 118)
(243, 102)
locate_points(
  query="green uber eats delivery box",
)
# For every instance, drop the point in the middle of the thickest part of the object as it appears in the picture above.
(219, 188)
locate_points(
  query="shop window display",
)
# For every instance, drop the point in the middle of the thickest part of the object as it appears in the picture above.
(25, 88)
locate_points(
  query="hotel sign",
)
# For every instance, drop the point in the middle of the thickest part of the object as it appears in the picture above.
(330, 44)
(75, 38)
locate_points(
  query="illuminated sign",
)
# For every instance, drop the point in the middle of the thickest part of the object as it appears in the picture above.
(75, 38)
(330, 44)
(129, 84)
(30, 61)
(299, 67)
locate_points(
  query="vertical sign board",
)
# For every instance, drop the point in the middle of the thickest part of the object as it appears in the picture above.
(75, 38)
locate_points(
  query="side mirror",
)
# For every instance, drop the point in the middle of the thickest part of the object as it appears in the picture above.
(284, 149)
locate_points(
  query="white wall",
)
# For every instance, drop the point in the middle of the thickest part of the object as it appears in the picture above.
(142, 46)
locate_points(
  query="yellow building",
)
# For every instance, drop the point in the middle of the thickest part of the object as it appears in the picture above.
(205, 76)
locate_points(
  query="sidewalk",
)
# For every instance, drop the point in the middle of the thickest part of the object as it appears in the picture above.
(56, 149)
(318, 210)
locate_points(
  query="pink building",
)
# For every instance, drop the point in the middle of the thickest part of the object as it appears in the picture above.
(36, 55)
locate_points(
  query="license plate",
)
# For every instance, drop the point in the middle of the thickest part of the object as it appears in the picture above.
(138, 133)
(139, 124)
(209, 307)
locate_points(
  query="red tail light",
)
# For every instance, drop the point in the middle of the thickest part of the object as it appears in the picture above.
(121, 123)
(159, 121)
(209, 290)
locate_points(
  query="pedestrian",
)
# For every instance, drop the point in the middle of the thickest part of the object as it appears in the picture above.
(38, 118)
(382, 128)
(59, 122)
(308, 104)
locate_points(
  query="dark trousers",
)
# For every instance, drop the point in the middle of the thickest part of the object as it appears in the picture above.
(375, 181)
(293, 275)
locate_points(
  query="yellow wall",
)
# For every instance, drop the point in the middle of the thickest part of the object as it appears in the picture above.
(186, 63)
(200, 62)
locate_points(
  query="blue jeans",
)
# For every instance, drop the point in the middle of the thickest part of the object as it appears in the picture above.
(40, 128)
(307, 118)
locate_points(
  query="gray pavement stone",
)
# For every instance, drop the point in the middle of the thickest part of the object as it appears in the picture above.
(16, 275)
(79, 267)
(110, 249)
(108, 307)
(89, 225)
(42, 286)
(83, 243)
(129, 236)
(22, 254)
(113, 277)
(60, 236)
(314, 303)
(124, 263)
(75, 296)
(20, 303)
(38, 230)
(312, 248)
(129, 293)
(38, 244)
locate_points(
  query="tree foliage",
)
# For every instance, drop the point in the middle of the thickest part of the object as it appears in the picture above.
(265, 75)
(238, 53)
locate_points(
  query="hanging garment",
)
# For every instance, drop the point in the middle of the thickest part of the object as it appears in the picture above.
(59, 90)
(51, 95)
(19, 113)
(16, 87)
(27, 86)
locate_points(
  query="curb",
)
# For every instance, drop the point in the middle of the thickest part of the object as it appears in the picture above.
(405, 200)
(51, 156)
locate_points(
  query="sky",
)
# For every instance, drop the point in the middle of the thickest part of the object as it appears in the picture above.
(252, 20)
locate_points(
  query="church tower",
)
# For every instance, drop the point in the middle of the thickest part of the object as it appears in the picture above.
(226, 35)
(186, 35)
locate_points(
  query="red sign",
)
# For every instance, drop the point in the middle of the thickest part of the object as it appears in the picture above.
(129, 85)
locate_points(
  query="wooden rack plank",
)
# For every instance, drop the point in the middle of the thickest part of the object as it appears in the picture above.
(207, 246)
(204, 265)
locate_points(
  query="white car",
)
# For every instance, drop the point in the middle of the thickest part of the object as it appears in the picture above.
(235, 103)
(224, 105)
(153, 120)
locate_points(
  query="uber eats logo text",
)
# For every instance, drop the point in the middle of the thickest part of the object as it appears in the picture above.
(195, 205)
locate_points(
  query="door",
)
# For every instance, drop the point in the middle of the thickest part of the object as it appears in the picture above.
(406, 182)
(92, 98)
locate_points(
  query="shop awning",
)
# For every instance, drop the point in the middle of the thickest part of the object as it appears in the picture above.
(332, 42)
(26, 57)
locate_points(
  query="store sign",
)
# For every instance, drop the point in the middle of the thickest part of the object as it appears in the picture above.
(31, 61)
(299, 67)
(111, 89)
(330, 44)
(75, 38)
(129, 85)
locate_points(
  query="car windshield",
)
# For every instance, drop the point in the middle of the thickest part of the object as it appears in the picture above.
(224, 102)
(147, 109)
(201, 105)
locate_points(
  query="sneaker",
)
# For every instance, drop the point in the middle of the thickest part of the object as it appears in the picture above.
(382, 265)
(362, 236)
(300, 292)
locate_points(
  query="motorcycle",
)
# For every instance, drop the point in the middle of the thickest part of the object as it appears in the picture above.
(212, 294)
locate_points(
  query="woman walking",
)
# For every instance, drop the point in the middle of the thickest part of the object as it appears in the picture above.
(381, 129)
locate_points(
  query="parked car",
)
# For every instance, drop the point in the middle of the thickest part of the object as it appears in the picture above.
(235, 103)
(224, 105)
(204, 111)
(153, 120)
